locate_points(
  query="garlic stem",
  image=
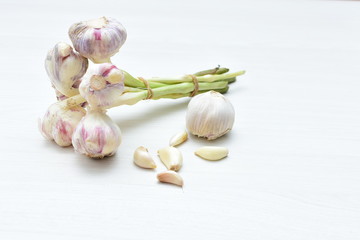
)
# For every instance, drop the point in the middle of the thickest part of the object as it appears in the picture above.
(217, 70)
(133, 95)
(206, 78)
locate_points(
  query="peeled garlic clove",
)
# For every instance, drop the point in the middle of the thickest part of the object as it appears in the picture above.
(212, 153)
(143, 159)
(98, 39)
(102, 85)
(96, 135)
(60, 122)
(171, 157)
(210, 115)
(170, 177)
(65, 68)
(178, 138)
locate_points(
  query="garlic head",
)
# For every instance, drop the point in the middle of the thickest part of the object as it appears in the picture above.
(102, 85)
(96, 135)
(98, 39)
(59, 123)
(210, 115)
(65, 67)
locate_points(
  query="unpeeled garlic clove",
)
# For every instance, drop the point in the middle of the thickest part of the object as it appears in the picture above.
(178, 138)
(98, 39)
(170, 177)
(142, 158)
(212, 153)
(171, 157)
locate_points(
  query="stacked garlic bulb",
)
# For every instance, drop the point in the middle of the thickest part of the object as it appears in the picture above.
(102, 84)
(96, 135)
(93, 133)
(59, 123)
(98, 39)
(65, 69)
(210, 115)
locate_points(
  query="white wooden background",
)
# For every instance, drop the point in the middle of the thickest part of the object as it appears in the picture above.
(294, 162)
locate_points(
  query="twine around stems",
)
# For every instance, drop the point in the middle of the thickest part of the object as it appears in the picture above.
(196, 85)
(150, 92)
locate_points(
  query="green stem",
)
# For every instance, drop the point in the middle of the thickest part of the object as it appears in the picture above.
(188, 78)
(176, 90)
(213, 71)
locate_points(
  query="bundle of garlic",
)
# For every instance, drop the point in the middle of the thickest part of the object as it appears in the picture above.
(103, 85)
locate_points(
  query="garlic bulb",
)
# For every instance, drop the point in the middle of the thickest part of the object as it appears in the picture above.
(102, 84)
(98, 39)
(210, 115)
(59, 123)
(65, 68)
(96, 135)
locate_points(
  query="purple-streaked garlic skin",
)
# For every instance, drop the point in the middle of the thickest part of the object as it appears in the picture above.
(113, 79)
(98, 39)
(96, 135)
(59, 95)
(59, 123)
(65, 68)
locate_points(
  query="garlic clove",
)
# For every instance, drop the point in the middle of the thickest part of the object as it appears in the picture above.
(170, 177)
(98, 39)
(96, 135)
(65, 68)
(60, 122)
(171, 157)
(142, 158)
(212, 153)
(102, 85)
(210, 115)
(178, 138)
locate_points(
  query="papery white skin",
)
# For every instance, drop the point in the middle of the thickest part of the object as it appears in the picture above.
(65, 68)
(210, 115)
(114, 86)
(98, 39)
(59, 123)
(96, 135)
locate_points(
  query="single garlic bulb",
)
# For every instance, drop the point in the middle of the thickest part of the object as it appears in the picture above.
(65, 68)
(98, 39)
(210, 115)
(59, 123)
(102, 84)
(96, 135)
